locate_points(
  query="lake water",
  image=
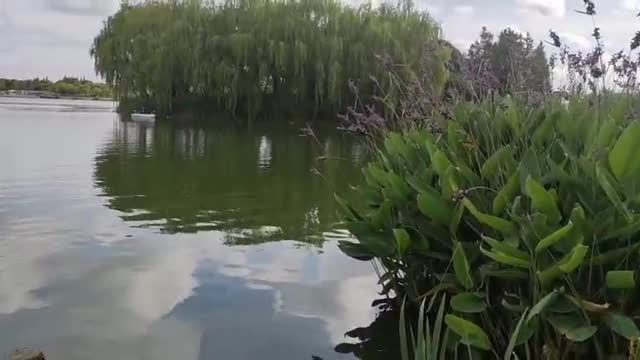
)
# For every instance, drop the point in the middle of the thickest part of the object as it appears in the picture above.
(173, 241)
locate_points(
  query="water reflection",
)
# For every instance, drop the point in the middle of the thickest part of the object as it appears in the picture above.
(194, 300)
(373, 341)
(52, 105)
(259, 185)
(264, 153)
(79, 282)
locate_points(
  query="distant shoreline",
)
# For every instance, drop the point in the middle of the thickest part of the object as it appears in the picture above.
(52, 96)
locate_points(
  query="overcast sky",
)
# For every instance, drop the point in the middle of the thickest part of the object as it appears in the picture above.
(51, 38)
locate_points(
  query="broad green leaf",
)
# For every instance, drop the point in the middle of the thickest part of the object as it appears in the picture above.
(457, 218)
(578, 216)
(500, 246)
(420, 184)
(355, 251)
(505, 259)
(562, 323)
(542, 200)
(403, 240)
(440, 163)
(574, 259)
(573, 327)
(607, 133)
(398, 187)
(605, 181)
(500, 158)
(470, 176)
(377, 174)
(346, 209)
(370, 194)
(384, 161)
(558, 171)
(455, 135)
(529, 166)
(562, 306)
(511, 113)
(625, 152)
(494, 222)
(470, 333)
(382, 216)
(435, 208)
(431, 147)
(468, 303)
(450, 182)
(621, 279)
(622, 325)
(548, 275)
(516, 207)
(461, 266)
(394, 144)
(506, 194)
(543, 133)
(554, 237)
(576, 235)
(581, 334)
(529, 328)
(542, 305)
(567, 264)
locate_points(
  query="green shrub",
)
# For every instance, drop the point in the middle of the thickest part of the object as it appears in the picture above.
(525, 218)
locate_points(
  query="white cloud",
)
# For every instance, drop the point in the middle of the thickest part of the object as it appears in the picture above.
(433, 10)
(462, 44)
(463, 10)
(84, 7)
(630, 5)
(30, 28)
(574, 40)
(555, 8)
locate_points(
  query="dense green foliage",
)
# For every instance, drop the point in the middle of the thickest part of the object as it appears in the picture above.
(525, 219)
(509, 65)
(68, 86)
(250, 55)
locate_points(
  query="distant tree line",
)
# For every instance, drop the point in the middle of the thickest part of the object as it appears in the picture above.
(510, 63)
(68, 86)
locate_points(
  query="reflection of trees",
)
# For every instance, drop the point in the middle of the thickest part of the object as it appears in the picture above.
(253, 184)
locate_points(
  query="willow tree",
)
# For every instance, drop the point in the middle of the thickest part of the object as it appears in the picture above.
(247, 55)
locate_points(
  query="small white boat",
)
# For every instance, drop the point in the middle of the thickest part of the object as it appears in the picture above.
(139, 117)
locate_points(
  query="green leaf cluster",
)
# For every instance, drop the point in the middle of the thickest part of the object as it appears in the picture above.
(526, 218)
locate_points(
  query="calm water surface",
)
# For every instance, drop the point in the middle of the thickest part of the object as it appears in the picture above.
(185, 241)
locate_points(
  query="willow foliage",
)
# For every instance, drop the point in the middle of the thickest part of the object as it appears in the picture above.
(243, 55)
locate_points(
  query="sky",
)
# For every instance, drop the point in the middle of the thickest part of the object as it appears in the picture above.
(51, 38)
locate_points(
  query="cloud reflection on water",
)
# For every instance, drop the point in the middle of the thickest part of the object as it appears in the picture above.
(78, 281)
